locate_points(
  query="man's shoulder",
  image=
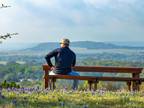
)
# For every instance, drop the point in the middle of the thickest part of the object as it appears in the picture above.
(54, 51)
(57, 49)
(72, 52)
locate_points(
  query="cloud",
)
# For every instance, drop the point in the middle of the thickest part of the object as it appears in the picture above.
(42, 3)
(111, 4)
(3, 1)
(97, 3)
(127, 1)
(39, 20)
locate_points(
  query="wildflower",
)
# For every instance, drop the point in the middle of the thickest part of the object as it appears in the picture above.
(101, 92)
(85, 106)
(0, 88)
(14, 101)
(8, 89)
(65, 88)
(62, 104)
(1, 96)
(93, 93)
(0, 92)
(132, 93)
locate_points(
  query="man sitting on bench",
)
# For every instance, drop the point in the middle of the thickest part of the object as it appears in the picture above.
(65, 58)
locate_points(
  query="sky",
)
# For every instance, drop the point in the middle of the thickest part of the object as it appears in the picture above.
(78, 20)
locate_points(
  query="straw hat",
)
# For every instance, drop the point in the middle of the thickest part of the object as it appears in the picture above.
(64, 41)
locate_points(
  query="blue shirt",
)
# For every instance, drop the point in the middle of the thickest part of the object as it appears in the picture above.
(65, 58)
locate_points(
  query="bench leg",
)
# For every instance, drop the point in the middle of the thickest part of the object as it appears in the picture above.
(46, 81)
(95, 85)
(46, 84)
(50, 84)
(135, 84)
(138, 85)
(90, 85)
(53, 83)
(129, 85)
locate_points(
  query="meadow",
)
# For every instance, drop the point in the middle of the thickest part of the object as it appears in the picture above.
(19, 68)
(63, 98)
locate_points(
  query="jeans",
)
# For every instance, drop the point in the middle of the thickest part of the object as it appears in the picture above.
(72, 73)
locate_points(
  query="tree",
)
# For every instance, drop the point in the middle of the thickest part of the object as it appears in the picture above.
(4, 6)
(8, 35)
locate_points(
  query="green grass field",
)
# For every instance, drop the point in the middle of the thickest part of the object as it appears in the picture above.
(39, 98)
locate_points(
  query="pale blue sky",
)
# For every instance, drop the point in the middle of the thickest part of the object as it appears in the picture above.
(78, 20)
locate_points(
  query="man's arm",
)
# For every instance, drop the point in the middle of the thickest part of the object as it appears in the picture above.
(49, 56)
(74, 61)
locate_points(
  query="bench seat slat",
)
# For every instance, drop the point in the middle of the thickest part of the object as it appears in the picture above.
(94, 78)
(91, 78)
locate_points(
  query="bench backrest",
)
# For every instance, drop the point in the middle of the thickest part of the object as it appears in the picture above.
(102, 69)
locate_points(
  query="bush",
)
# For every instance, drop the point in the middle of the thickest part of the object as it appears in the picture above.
(5, 84)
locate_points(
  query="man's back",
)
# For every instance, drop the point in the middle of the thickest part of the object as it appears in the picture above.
(64, 59)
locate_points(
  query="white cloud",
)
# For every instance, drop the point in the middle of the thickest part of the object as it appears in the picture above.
(3, 1)
(44, 3)
(127, 1)
(109, 3)
(97, 2)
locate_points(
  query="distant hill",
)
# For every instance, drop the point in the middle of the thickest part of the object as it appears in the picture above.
(16, 46)
(93, 45)
(129, 43)
(81, 44)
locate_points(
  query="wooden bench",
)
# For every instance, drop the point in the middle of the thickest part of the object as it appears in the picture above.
(133, 82)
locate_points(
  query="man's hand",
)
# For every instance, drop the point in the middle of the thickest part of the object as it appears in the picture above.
(52, 68)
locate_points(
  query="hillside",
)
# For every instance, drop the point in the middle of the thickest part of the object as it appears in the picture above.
(81, 44)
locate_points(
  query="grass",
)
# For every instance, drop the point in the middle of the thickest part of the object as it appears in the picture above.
(39, 98)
